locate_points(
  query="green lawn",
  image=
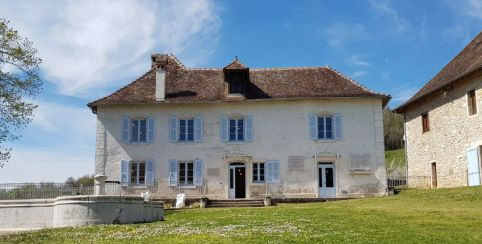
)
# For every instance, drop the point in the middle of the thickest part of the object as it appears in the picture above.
(441, 215)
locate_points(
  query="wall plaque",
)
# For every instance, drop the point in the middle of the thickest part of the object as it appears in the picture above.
(296, 163)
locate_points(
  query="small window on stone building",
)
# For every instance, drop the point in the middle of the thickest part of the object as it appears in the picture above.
(425, 123)
(472, 102)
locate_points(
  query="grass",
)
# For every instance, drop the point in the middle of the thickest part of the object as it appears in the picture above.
(395, 158)
(415, 216)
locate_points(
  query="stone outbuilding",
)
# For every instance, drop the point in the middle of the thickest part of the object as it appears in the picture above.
(443, 124)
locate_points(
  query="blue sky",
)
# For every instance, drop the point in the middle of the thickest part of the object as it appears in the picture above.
(91, 48)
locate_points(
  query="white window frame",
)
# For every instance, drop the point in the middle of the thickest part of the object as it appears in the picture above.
(257, 176)
(324, 117)
(186, 173)
(186, 132)
(139, 132)
(237, 129)
(137, 177)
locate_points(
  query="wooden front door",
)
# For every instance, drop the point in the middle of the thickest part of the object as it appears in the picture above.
(326, 180)
(237, 180)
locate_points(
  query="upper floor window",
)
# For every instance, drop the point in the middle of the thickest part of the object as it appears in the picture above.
(186, 173)
(325, 127)
(258, 172)
(236, 130)
(137, 172)
(425, 122)
(472, 102)
(236, 81)
(138, 130)
(186, 130)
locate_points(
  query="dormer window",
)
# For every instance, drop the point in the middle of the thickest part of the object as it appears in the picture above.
(236, 82)
(236, 76)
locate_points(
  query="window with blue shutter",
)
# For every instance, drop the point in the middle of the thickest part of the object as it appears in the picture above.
(313, 129)
(172, 172)
(198, 128)
(248, 132)
(151, 129)
(198, 174)
(150, 172)
(338, 126)
(186, 130)
(272, 171)
(125, 129)
(124, 179)
(173, 129)
(224, 129)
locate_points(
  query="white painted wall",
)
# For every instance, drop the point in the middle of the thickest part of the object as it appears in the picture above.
(280, 130)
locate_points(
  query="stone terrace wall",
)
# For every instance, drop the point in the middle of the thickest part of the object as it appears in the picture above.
(452, 132)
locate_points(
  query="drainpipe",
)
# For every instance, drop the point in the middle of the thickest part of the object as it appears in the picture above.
(405, 145)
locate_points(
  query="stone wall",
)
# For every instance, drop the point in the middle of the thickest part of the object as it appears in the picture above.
(77, 211)
(452, 132)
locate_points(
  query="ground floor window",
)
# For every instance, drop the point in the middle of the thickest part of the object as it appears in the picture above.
(186, 173)
(258, 172)
(138, 172)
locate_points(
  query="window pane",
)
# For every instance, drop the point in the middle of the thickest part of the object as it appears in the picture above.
(231, 178)
(190, 173)
(240, 130)
(142, 172)
(329, 177)
(182, 173)
(135, 131)
(232, 130)
(190, 130)
(133, 172)
(142, 130)
(321, 127)
(182, 130)
(261, 172)
(329, 128)
(255, 172)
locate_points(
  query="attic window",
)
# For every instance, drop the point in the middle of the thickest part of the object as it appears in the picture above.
(236, 81)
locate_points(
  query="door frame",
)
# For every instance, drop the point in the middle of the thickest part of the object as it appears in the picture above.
(332, 165)
(232, 191)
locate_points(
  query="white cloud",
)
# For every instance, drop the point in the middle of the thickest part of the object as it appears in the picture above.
(357, 60)
(88, 45)
(385, 8)
(358, 74)
(475, 9)
(342, 32)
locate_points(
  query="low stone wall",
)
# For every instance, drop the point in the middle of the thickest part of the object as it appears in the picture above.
(77, 211)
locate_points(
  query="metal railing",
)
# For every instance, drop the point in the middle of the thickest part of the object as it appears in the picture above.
(159, 189)
(12, 191)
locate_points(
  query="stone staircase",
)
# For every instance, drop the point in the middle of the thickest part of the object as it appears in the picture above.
(235, 203)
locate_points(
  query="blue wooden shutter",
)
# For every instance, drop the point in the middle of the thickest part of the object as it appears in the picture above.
(338, 126)
(125, 126)
(268, 171)
(313, 126)
(124, 179)
(248, 129)
(198, 172)
(151, 129)
(224, 129)
(172, 172)
(272, 171)
(198, 128)
(173, 129)
(473, 169)
(149, 172)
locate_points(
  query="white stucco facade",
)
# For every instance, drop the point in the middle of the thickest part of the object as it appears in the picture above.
(280, 130)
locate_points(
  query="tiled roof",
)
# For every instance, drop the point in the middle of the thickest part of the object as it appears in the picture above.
(466, 62)
(185, 85)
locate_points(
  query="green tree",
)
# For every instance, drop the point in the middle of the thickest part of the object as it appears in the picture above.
(393, 129)
(19, 81)
(86, 180)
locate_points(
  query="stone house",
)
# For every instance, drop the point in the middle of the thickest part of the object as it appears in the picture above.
(236, 132)
(443, 124)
